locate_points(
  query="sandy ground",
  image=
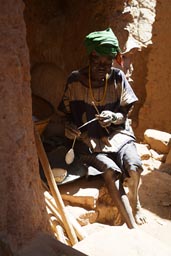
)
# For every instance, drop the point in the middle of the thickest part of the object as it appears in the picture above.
(155, 196)
(150, 239)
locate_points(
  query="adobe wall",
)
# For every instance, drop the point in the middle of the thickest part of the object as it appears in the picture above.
(22, 209)
(156, 110)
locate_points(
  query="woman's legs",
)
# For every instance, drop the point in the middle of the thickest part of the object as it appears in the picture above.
(119, 197)
(132, 166)
(112, 173)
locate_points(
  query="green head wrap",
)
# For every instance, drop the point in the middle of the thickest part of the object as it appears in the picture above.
(103, 42)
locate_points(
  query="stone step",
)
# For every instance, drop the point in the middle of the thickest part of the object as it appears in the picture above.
(158, 140)
(121, 241)
(82, 192)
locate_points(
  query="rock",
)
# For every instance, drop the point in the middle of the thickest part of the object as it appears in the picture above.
(94, 201)
(166, 168)
(108, 213)
(158, 140)
(151, 164)
(143, 151)
(159, 157)
(122, 241)
(83, 193)
(168, 158)
(84, 197)
(83, 216)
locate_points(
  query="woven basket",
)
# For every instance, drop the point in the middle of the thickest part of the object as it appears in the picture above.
(42, 111)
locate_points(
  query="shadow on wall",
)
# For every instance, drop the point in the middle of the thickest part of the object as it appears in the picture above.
(139, 76)
(47, 82)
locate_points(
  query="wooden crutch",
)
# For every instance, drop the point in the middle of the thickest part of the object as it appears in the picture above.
(53, 188)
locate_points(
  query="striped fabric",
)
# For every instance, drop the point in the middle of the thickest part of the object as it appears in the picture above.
(78, 107)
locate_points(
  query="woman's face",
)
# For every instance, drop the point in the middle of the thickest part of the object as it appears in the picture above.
(100, 66)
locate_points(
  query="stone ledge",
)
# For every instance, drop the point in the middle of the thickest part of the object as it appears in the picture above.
(122, 241)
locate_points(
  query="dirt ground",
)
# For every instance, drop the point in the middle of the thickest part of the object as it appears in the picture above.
(155, 196)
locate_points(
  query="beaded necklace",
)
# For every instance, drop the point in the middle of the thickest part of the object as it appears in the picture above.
(91, 91)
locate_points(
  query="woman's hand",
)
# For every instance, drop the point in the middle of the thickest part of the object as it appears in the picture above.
(106, 117)
(71, 131)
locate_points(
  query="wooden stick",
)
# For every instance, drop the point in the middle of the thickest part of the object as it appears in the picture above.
(57, 227)
(58, 230)
(60, 233)
(53, 188)
(77, 227)
(53, 210)
(98, 114)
